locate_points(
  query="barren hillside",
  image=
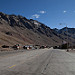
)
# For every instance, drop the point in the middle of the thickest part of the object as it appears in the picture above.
(19, 30)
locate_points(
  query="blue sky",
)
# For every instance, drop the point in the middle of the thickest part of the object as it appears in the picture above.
(49, 12)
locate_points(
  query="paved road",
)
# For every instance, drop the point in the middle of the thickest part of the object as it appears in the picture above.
(38, 62)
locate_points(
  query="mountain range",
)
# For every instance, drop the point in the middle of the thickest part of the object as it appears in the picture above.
(16, 29)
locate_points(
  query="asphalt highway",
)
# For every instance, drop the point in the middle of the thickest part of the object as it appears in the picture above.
(38, 62)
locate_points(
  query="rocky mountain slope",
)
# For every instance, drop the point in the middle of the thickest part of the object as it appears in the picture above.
(70, 32)
(67, 33)
(19, 30)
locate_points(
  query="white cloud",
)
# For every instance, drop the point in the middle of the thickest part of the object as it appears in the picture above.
(64, 11)
(42, 12)
(35, 16)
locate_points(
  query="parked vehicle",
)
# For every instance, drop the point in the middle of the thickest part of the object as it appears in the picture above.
(16, 47)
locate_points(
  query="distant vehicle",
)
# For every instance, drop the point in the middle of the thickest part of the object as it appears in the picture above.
(16, 47)
(42, 47)
(27, 47)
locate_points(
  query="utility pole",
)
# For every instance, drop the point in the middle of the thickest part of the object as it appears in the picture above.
(66, 34)
(67, 38)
